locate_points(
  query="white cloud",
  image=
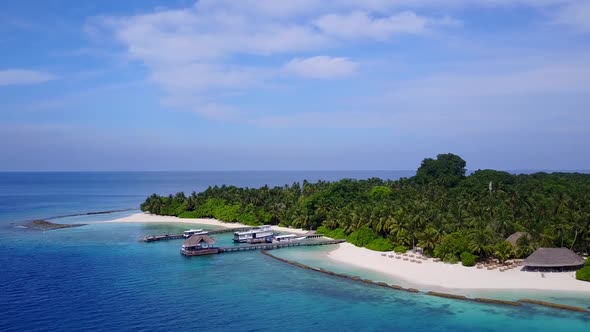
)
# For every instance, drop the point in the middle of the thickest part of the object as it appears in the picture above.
(321, 67)
(195, 54)
(23, 77)
(291, 8)
(268, 8)
(360, 24)
(191, 53)
(472, 99)
(184, 36)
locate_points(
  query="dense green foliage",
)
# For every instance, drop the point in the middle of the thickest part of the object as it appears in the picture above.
(446, 170)
(468, 259)
(337, 233)
(217, 208)
(380, 244)
(451, 246)
(524, 247)
(583, 274)
(400, 249)
(503, 250)
(362, 236)
(450, 258)
(440, 209)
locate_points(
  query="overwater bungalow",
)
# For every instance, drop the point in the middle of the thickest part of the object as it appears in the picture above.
(553, 260)
(198, 245)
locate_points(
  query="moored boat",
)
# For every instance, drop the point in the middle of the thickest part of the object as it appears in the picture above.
(192, 232)
(287, 238)
(257, 235)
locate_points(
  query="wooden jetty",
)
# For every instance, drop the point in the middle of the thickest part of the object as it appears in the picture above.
(271, 246)
(165, 237)
(153, 238)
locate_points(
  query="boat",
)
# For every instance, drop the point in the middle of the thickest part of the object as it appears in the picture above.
(287, 238)
(256, 235)
(192, 232)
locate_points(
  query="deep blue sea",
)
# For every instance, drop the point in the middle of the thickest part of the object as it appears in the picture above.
(99, 277)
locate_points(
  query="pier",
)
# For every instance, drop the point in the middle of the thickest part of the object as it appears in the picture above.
(271, 246)
(166, 237)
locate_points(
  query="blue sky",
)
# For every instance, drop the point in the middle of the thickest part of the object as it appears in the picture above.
(293, 85)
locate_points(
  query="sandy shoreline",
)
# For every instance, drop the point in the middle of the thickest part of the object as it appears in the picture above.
(151, 218)
(429, 274)
(455, 276)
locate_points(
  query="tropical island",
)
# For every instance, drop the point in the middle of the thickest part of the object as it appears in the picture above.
(450, 215)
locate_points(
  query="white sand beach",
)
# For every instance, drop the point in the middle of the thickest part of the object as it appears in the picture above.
(428, 274)
(152, 218)
(455, 276)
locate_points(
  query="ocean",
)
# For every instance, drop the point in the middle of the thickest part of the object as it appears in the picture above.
(99, 277)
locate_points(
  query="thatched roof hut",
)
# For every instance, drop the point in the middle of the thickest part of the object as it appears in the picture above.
(512, 239)
(553, 258)
(198, 241)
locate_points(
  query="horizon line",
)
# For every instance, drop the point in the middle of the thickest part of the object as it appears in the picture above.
(286, 170)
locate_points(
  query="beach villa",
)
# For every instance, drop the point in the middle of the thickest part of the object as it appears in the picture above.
(553, 260)
(513, 239)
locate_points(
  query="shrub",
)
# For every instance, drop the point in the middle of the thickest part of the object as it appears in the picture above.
(323, 230)
(362, 236)
(380, 244)
(337, 233)
(450, 258)
(188, 214)
(468, 259)
(400, 249)
(451, 244)
(587, 261)
(583, 274)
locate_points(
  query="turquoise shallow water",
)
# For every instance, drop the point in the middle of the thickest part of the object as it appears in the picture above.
(99, 277)
(317, 257)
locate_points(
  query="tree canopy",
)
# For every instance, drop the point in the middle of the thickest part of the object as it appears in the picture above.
(446, 170)
(440, 209)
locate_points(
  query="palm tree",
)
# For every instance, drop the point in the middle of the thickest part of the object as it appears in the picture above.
(546, 237)
(479, 241)
(301, 219)
(524, 246)
(560, 229)
(430, 238)
(503, 251)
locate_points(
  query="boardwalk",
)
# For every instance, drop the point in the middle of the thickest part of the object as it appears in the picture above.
(270, 246)
(166, 237)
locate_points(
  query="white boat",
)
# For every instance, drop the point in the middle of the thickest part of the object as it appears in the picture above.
(192, 232)
(288, 238)
(259, 234)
